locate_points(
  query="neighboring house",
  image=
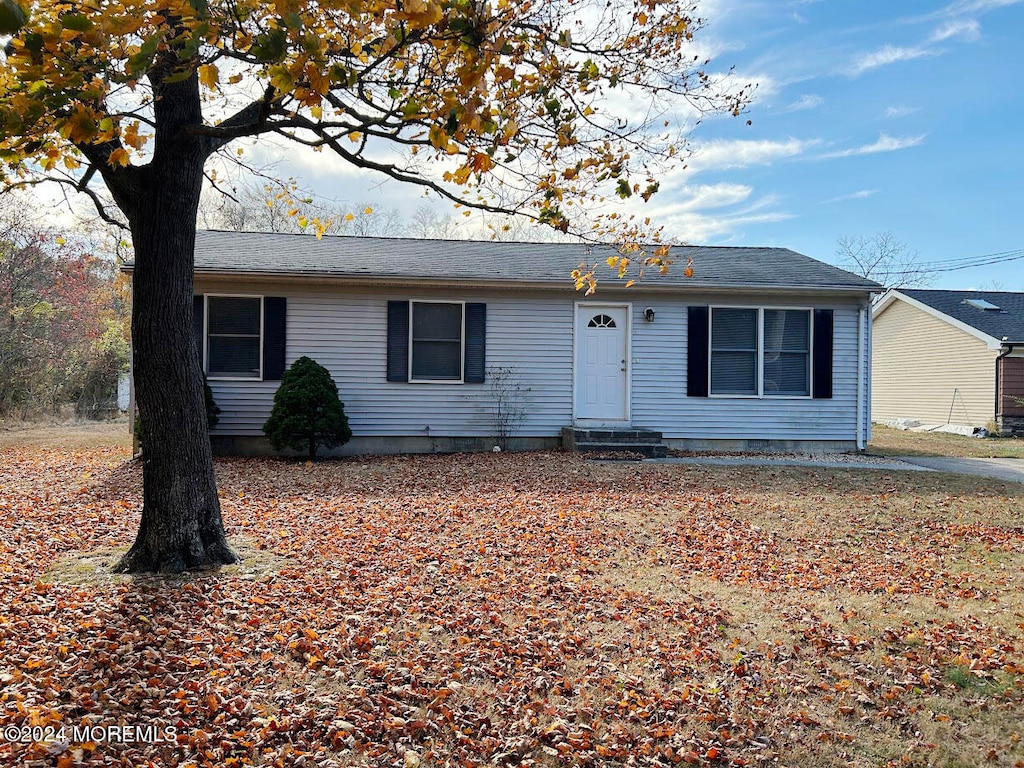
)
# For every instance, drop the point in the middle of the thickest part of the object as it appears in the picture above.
(761, 348)
(949, 357)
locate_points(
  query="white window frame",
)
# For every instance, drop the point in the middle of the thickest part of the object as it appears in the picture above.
(759, 372)
(206, 335)
(462, 344)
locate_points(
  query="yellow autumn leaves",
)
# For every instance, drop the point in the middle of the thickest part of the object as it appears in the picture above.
(499, 105)
(421, 13)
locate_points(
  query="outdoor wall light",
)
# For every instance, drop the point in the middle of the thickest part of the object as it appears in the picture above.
(649, 314)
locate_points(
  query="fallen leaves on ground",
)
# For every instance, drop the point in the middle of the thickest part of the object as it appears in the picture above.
(529, 609)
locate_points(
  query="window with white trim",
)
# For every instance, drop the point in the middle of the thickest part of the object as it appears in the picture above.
(787, 352)
(435, 341)
(734, 351)
(760, 352)
(234, 340)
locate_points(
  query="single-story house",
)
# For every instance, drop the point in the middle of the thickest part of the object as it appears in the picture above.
(760, 349)
(949, 357)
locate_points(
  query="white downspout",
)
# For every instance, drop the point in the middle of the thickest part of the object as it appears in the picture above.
(861, 346)
(869, 325)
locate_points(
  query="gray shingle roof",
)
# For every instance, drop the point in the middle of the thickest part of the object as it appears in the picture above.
(455, 260)
(1006, 322)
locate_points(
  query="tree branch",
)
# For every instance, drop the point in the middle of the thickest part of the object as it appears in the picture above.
(78, 186)
(398, 175)
(250, 120)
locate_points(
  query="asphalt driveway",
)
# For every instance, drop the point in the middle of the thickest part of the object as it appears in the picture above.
(1000, 469)
(1011, 470)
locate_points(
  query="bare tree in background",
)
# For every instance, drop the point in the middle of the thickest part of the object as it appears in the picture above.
(429, 224)
(279, 208)
(380, 222)
(884, 258)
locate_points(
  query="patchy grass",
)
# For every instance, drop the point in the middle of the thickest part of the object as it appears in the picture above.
(94, 567)
(73, 435)
(517, 609)
(898, 442)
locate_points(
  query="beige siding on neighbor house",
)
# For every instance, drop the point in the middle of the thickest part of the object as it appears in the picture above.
(925, 369)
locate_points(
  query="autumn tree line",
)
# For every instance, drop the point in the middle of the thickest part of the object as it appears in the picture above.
(287, 209)
(64, 312)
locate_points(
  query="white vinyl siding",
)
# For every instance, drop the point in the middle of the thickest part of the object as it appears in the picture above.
(347, 333)
(659, 384)
(532, 332)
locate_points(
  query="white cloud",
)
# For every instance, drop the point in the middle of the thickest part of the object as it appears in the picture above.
(710, 196)
(966, 29)
(694, 227)
(899, 111)
(959, 8)
(859, 195)
(699, 215)
(883, 57)
(885, 143)
(976, 6)
(806, 101)
(723, 154)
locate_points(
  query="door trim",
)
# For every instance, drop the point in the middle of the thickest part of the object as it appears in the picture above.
(579, 307)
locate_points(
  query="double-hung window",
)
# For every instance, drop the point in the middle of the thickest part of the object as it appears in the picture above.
(734, 351)
(435, 343)
(760, 352)
(234, 338)
(787, 352)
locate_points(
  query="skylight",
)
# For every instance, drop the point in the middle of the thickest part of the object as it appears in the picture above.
(980, 303)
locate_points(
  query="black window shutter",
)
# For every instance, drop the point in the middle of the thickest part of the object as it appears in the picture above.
(398, 341)
(821, 375)
(476, 344)
(275, 311)
(198, 310)
(697, 352)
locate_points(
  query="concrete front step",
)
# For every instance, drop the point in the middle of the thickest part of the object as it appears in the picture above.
(605, 440)
(647, 450)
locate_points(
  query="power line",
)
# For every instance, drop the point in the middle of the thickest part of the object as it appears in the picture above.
(968, 262)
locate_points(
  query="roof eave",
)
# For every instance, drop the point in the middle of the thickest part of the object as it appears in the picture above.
(249, 275)
(893, 294)
(440, 282)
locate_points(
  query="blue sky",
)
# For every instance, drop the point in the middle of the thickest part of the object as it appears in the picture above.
(897, 115)
(871, 116)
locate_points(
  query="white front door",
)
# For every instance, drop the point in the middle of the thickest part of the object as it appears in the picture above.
(602, 362)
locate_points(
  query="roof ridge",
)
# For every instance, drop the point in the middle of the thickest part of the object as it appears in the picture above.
(407, 238)
(507, 261)
(959, 290)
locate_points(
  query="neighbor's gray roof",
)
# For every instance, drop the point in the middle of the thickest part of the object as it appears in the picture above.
(1007, 322)
(492, 261)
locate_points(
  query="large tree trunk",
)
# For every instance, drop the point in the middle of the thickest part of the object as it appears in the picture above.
(181, 520)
